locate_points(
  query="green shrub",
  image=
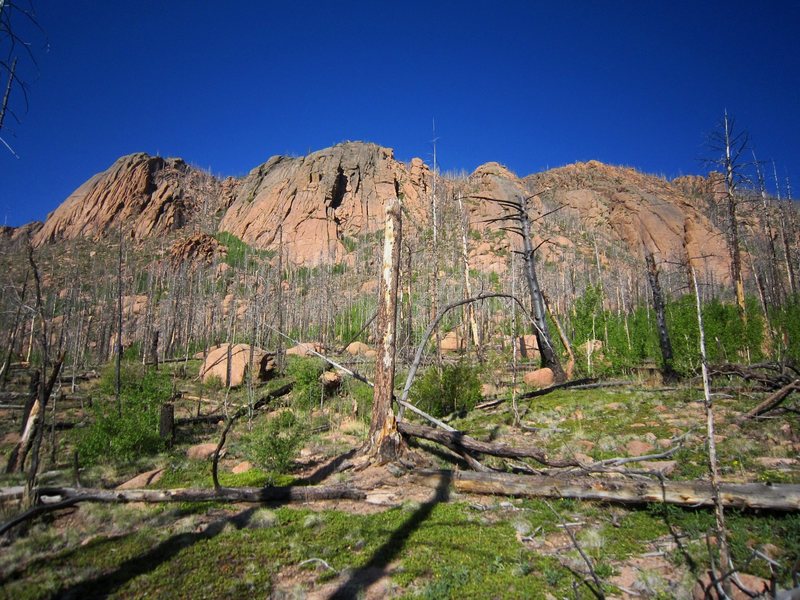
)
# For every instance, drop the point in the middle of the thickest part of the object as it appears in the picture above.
(456, 388)
(120, 439)
(786, 322)
(273, 443)
(307, 387)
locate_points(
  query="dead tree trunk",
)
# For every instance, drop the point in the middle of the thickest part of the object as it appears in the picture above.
(543, 338)
(661, 320)
(627, 491)
(385, 442)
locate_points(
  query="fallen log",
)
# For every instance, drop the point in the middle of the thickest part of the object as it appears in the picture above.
(782, 497)
(56, 498)
(459, 442)
(771, 376)
(771, 401)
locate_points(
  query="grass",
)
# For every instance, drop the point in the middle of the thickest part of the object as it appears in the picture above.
(459, 549)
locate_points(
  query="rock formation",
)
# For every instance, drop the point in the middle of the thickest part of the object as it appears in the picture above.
(315, 206)
(148, 195)
(313, 203)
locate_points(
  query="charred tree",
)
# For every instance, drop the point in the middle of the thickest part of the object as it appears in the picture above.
(517, 213)
(731, 144)
(659, 305)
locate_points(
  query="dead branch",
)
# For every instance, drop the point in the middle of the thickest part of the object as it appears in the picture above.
(769, 375)
(460, 442)
(771, 401)
(56, 498)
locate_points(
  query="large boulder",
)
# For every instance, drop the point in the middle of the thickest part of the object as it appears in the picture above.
(360, 349)
(540, 378)
(451, 342)
(216, 364)
(306, 349)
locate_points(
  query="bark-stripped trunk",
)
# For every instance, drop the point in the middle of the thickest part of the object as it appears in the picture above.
(733, 222)
(385, 443)
(470, 308)
(719, 511)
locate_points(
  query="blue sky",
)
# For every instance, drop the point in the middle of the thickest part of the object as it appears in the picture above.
(532, 85)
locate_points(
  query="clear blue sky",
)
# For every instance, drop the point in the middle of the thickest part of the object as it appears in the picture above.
(532, 85)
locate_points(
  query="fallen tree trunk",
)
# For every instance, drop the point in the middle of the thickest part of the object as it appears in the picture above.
(56, 498)
(783, 497)
(771, 401)
(457, 441)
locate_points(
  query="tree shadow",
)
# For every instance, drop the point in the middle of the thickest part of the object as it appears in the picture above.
(107, 583)
(363, 577)
(326, 470)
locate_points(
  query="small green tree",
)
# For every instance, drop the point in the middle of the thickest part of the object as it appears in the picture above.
(456, 388)
(123, 438)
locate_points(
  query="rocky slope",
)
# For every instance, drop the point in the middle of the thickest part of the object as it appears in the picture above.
(149, 195)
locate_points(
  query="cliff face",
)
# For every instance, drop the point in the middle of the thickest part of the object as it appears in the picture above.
(147, 195)
(635, 210)
(311, 204)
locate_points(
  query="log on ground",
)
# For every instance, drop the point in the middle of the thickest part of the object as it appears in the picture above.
(783, 497)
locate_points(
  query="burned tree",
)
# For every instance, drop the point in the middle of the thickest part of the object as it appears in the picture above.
(385, 442)
(516, 211)
(664, 342)
(731, 144)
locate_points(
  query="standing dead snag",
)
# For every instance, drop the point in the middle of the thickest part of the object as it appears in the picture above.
(385, 442)
(517, 212)
(667, 369)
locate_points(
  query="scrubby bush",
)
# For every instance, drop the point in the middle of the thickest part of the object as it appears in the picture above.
(122, 438)
(455, 388)
(274, 442)
(307, 387)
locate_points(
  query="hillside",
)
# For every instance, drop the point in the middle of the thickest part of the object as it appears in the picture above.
(203, 344)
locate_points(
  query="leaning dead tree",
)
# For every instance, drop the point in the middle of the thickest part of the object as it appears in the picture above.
(516, 212)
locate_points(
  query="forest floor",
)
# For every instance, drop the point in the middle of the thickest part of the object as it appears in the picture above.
(414, 536)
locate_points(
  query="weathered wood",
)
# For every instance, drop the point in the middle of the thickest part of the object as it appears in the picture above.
(457, 441)
(782, 497)
(56, 498)
(772, 400)
(385, 443)
(166, 423)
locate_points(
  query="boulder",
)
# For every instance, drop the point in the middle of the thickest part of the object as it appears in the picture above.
(242, 467)
(330, 380)
(451, 342)
(203, 451)
(359, 349)
(143, 479)
(216, 364)
(751, 582)
(540, 378)
(305, 349)
(638, 448)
